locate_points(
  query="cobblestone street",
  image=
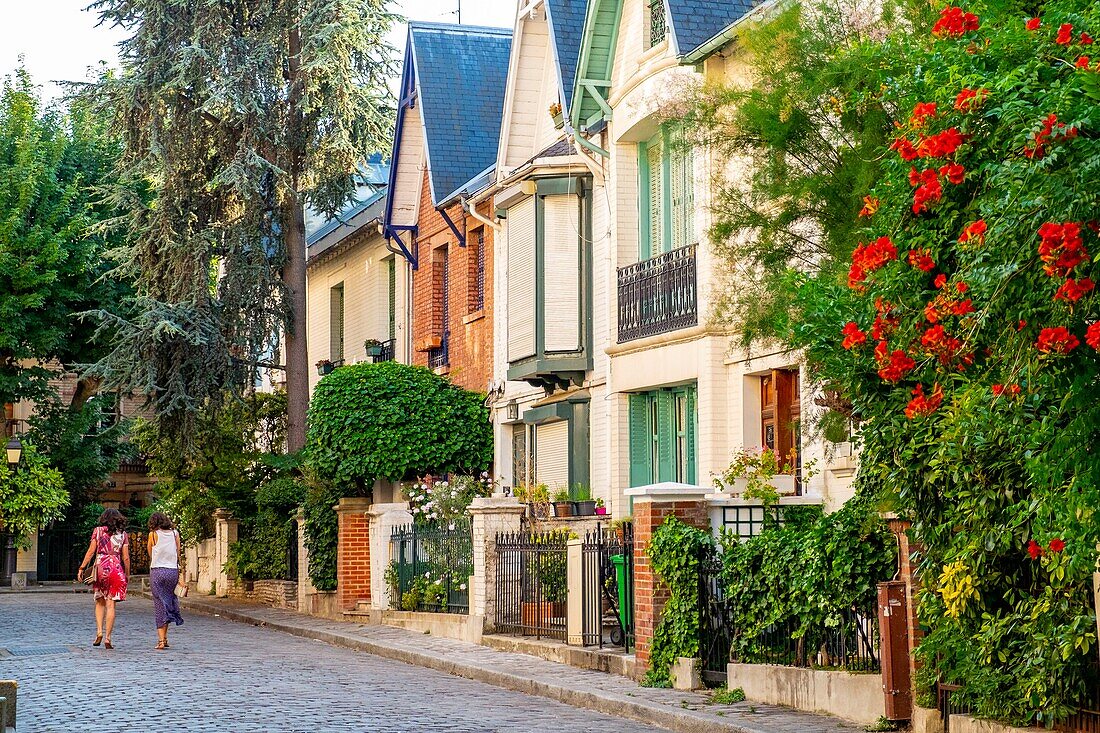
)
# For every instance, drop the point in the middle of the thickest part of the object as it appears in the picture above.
(234, 678)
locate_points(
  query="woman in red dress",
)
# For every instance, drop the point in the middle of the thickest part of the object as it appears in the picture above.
(111, 547)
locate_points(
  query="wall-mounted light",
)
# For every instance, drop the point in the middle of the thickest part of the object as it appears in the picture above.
(14, 450)
(513, 410)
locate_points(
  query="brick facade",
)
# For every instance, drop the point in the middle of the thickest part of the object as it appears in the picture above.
(470, 362)
(650, 594)
(353, 552)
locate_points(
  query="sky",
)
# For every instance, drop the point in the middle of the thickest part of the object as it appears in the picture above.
(59, 40)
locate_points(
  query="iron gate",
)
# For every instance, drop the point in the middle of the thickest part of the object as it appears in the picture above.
(59, 553)
(607, 580)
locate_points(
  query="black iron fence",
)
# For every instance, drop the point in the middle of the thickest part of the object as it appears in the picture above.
(714, 624)
(607, 584)
(431, 567)
(851, 644)
(531, 584)
(388, 351)
(658, 295)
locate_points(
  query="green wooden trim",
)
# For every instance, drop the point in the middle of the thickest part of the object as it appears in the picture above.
(666, 436)
(641, 454)
(596, 12)
(555, 365)
(587, 259)
(558, 186)
(548, 413)
(645, 246)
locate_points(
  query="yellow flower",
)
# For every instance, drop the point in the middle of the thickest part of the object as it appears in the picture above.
(956, 587)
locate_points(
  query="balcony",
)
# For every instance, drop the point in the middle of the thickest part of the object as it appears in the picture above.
(382, 350)
(658, 295)
(440, 357)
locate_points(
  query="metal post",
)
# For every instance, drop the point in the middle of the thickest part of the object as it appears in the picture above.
(11, 555)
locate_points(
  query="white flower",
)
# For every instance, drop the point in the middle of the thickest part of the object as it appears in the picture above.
(462, 586)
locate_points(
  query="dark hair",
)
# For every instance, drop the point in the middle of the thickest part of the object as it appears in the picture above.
(159, 520)
(113, 520)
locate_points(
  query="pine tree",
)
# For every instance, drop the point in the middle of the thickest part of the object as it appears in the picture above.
(237, 114)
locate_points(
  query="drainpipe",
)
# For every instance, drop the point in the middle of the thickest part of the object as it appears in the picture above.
(472, 211)
(582, 145)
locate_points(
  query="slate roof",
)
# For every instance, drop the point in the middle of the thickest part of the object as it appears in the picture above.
(461, 72)
(566, 21)
(694, 22)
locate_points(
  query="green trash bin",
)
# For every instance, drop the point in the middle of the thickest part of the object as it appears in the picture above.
(626, 608)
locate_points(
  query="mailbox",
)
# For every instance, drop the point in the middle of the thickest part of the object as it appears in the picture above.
(893, 622)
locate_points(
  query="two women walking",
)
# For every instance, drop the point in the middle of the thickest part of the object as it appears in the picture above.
(110, 548)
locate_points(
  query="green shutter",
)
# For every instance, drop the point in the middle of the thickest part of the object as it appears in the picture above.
(658, 202)
(680, 185)
(645, 210)
(641, 460)
(666, 437)
(391, 266)
(690, 429)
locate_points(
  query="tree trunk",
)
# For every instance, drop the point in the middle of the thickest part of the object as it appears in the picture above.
(297, 358)
(86, 388)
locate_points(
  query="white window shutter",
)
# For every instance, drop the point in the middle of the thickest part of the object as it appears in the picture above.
(552, 455)
(656, 199)
(521, 280)
(562, 315)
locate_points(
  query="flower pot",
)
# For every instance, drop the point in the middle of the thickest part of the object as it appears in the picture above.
(601, 511)
(563, 508)
(323, 369)
(784, 483)
(584, 508)
(559, 120)
(374, 350)
(539, 615)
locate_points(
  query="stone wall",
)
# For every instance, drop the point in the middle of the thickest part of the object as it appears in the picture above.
(856, 697)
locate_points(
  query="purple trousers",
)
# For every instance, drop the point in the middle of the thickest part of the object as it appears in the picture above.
(162, 581)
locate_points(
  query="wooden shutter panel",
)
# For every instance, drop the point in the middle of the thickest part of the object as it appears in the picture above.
(641, 454)
(680, 184)
(561, 248)
(666, 437)
(656, 198)
(552, 455)
(521, 280)
(690, 430)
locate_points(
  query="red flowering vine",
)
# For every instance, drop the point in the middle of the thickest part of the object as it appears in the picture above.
(1051, 130)
(852, 335)
(1057, 544)
(954, 22)
(940, 145)
(923, 405)
(929, 189)
(922, 260)
(1034, 549)
(1061, 248)
(974, 232)
(1056, 340)
(1033, 24)
(894, 365)
(1073, 290)
(1092, 335)
(1012, 390)
(869, 257)
(968, 99)
(870, 206)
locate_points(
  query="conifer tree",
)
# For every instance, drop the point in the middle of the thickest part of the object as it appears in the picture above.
(237, 114)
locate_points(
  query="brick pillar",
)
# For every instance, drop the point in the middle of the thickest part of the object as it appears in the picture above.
(353, 552)
(383, 518)
(652, 505)
(907, 574)
(225, 534)
(489, 516)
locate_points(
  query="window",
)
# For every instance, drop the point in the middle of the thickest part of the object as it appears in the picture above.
(519, 455)
(441, 308)
(658, 24)
(336, 323)
(391, 273)
(552, 455)
(779, 414)
(665, 185)
(662, 436)
(476, 258)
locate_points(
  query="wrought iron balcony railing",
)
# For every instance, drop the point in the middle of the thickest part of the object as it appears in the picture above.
(658, 24)
(441, 357)
(658, 295)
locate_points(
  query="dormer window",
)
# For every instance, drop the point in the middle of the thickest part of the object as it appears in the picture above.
(658, 22)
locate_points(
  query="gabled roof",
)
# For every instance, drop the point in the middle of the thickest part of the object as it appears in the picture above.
(695, 22)
(459, 74)
(566, 21)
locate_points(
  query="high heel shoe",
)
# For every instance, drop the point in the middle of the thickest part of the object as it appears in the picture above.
(107, 644)
(98, 640)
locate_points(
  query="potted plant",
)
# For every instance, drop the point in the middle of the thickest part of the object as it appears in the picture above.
(324, 367)
(563, 504)
(583, 504)
(551, 574)
(601, 510)
(758, 475)
(373, 347)
(555, 113)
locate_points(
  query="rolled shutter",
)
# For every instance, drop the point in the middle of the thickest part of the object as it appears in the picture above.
(561, 247)
(552, 455)
(641, 441)
(521, 280)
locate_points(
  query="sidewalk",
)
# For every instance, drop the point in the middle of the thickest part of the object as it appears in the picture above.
(688, 712)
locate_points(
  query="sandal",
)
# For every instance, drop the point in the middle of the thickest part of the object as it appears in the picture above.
(98, 640)
(107, 644)
(162, 645)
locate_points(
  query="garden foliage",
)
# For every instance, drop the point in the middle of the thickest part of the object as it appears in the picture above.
(32, 496)
(966, 335)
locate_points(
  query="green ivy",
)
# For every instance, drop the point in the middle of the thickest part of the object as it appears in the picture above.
(385, 421)
(681, 554)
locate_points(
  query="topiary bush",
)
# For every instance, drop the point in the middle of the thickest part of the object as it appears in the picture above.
(384, 421)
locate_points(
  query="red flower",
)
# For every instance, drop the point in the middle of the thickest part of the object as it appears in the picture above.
(1073, 290)
(894, 365)
(883, 327)
(852, 335)
(939, 343)
(1032, 24)
(921, 113)
(967, 99)
(922, 260)
(1057, 544)
(870, 206)
(1021, 325)
(1092, 335)
(929, 190)
(974, 232)
(998, 389)
(940, 145)
(1034, 550)
(869, 257)
(962, 307)
(905, 149)
(940, 281)
(921, 405)
(1065, 35)
(1083, 62)
(1057, 340)
(1060, 248)
(953, 22)
(961, 287)
(1046, 134)
(1085, 40)
(954, 173)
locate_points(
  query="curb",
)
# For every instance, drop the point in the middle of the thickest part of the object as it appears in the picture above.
(619, 706)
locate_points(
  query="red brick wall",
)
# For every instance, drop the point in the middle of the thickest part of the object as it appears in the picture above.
(650, 594)
(353, 553)
(471, 345)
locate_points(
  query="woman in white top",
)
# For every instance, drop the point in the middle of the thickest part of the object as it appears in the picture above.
(164, 574)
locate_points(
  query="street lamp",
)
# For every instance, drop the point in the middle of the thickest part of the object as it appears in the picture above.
(15, 452)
